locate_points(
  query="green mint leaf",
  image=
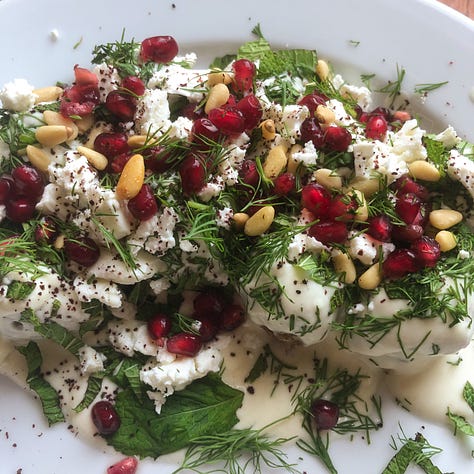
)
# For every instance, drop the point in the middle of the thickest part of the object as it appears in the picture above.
(468, 395)
(94, 385)
(207, 406)
(222, 62)
(99, 316)
(258, 369)
(19, 290)
(460, 424)
(46, 393)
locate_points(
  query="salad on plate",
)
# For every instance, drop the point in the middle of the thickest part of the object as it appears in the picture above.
(226, 260)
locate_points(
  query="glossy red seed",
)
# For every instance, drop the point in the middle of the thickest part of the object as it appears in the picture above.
(316, 199)
(376, 127)
(19, 209)
(133, 84)
(84, 77)
(192, 111)
(407, 233)
(426, 250)
(111, 144)
(311, 131)
(248, 173)
(244, 72)
(408, 207)
(123, 106)
(6, 188)
(207, 329)
(118, 162)
(228, 120)
(125, 466)
(185, 344)
(311, 101)
(159, 49)
(209, 303)
(105, 418)
(406, 185)
(232, 316)
(329, 232)
(143, 206)
(204, 132)
(380, 227)
(251, 108)
(384, 112)
(342, 208)
(193, 175)
(325, 414)
(82, 250)
(337, 138)
(284, 184)
(81, 98)
(399, 263)
(46, 231)
(27, 182)
(159, 326)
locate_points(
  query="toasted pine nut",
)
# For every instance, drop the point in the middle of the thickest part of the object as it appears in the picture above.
(55, 118)
(136, 141)
(84, 123)
(52, 135)
(38, 158)
(96, 159)
(100, 127)
(362, 212)
(328, 178)
(268, 129)
(368, 186)
(401, 115)
(220, 77)
(260, 222)
(445, 218)
(325, 115)
(275, 162)
(59, 242)
(240, 218)
(344, 265)
(47, 94)
(132, 177)
(322, 69)
(218, 95)
(371, 278)
(446, 240)
(424, 170)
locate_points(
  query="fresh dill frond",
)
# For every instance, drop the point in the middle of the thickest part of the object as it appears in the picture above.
(393, 88)
(428, 87)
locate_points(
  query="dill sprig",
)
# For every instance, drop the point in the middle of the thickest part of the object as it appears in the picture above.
(428, 87)
(393, 88)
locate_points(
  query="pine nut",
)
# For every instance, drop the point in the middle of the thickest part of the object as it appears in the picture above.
(84, 123)
(47, 94)
(322, 69)
(343, 265)
(446, 240)
(268, 129)
(218, 95)
(240, 218)
(368, 186)
(55, 118)
(137, 141)
(325, 115)
(96, 159)
(445, 218)
(52, 135)
(424, 170)
(276, 162)
(59, 242)
(220, 77)
(328, 178)
(260, 222)
(371, 278)
(362, 212)
(38, 158)
(132, 177)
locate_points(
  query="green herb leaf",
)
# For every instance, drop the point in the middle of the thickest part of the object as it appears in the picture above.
(468, 395)
(460, 424)
(19, 290)
(94, 385)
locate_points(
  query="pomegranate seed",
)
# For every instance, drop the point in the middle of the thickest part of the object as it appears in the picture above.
(328, 232)
(384, 112)
(342, 208)
(311, 131)
(111, 144)
(284, 184)
(143, 206)
(249, 173)
(204, 131)
(311, 101)
(407, 233)
(133, 84)
(337, 138)
(192, 111)
(84, 77)
(159, 49)
(207, 329)
(209, 304)
(427, 251)
(376, 127)
(46, 231)
(184, 343)
(27, 181)
(408, 207)
(231, 317)
(105, 418)
(228, 120)
(251, 109)
(399, 263)
(81, 98)
(157, 159)
(405, 185)
(117, 163)
(159, 326)
(325, 414)
(316, 199)
(244, 72)
(380, 228)
(6, 188)
(20, 209)
(125, 466)
(123, 106)
(82, 250)
(193, 175)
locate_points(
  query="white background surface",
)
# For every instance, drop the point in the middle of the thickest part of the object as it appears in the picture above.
(431, 42)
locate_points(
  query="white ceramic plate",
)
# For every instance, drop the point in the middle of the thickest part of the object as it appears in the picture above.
(431, 42)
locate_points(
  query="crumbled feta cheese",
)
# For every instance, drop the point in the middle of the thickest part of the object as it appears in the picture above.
(366, 249)
(159, 286)
(153, 113)
(224, 217)
(211, 189)
(448, 137)
(90, 360)
(102, 290)
(181, 128)
(129, 337)
(342, 119)
(18, 96)
(109, 79)
(307, 156)
(361, 95)
(461, 168)
(3, 212)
